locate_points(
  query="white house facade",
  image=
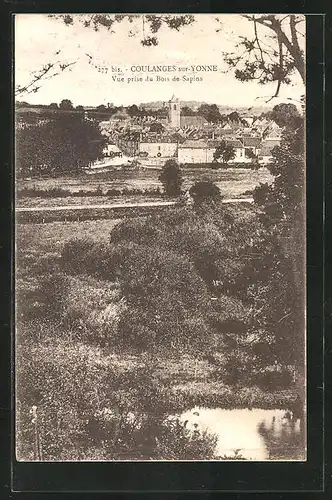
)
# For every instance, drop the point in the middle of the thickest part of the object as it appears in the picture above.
(158, 149)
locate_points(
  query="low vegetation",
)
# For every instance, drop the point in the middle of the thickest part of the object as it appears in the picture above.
(58, 192)
(123, 329)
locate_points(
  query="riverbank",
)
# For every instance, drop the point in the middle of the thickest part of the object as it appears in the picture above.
(188, 380)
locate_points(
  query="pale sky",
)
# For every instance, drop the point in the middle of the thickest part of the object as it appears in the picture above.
(38, 38)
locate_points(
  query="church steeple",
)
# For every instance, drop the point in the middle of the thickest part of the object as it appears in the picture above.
(174, 110)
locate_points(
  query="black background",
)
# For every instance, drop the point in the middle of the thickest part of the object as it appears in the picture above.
(191, 476)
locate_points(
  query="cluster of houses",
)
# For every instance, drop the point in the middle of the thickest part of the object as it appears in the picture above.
(191, 140)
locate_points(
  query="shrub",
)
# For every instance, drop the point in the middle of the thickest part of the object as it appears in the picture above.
(270, 379)
(166, 299)
(94, 316)
(171, 178)
(177, 442)
(204, 191)
(237, 368)
(34, 192)
(137, 230)
(113, 192)
(98, 259)
(53, 293)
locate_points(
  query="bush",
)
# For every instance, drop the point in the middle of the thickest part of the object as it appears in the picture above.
(167, 300)
(138, 230)
(204, 191)
(113, 192)
(94, 317)
(271, 379)
(238, 368)
(34, 192)
(53, 292)
(98, 259)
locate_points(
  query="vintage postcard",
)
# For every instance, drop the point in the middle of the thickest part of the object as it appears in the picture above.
(160, 237)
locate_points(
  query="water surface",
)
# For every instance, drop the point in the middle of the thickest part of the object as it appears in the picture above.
(253, 434)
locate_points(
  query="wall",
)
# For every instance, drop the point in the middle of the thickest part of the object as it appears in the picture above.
(164, 149)
(195, 155)
(240, 156)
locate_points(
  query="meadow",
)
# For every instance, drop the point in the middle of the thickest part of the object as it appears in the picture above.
(232, 182)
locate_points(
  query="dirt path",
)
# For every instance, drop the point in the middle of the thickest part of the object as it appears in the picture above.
(117, 205)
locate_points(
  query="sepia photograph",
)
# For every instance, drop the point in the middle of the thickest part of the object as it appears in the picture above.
(160, 237)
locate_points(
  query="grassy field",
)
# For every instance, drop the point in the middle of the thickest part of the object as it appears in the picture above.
(232, 182)
(85, 200)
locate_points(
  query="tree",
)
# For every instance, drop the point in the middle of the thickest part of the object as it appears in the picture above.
(62, 145)
(157, 127)
(47, 71)
(272, 54)
(272, 59)
(204, 191)
(171, 178)
(283, 205)
(250, 154)
(66, 104)
(161, 112)
(133, 110)
(285, 114)
(284, 199)
(186, 111)
(79, 108)
(234, 117)
(21, 104)
(224, 151)
(53, 105)
(101, 107)
(210, 112)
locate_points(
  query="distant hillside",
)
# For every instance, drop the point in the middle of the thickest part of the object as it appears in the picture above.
(24, 107)
(224, 109)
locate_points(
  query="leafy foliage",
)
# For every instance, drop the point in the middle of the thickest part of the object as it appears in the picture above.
(285, 198)
(224, 151)
(205, 191)
(269, 59)
(285, 115)
(81, 409)
(284, 221)
(171, 178)
(63, 144)
(66, 104)
(210, 112)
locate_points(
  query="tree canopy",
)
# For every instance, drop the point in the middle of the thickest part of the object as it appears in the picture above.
(171, 178)
(224, 151)
(205, 191)
(210, 112)
(66, 104)
(285, 114)
(63, 144)
(273, 53)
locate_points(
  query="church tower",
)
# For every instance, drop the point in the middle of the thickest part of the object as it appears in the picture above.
(174, 110)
